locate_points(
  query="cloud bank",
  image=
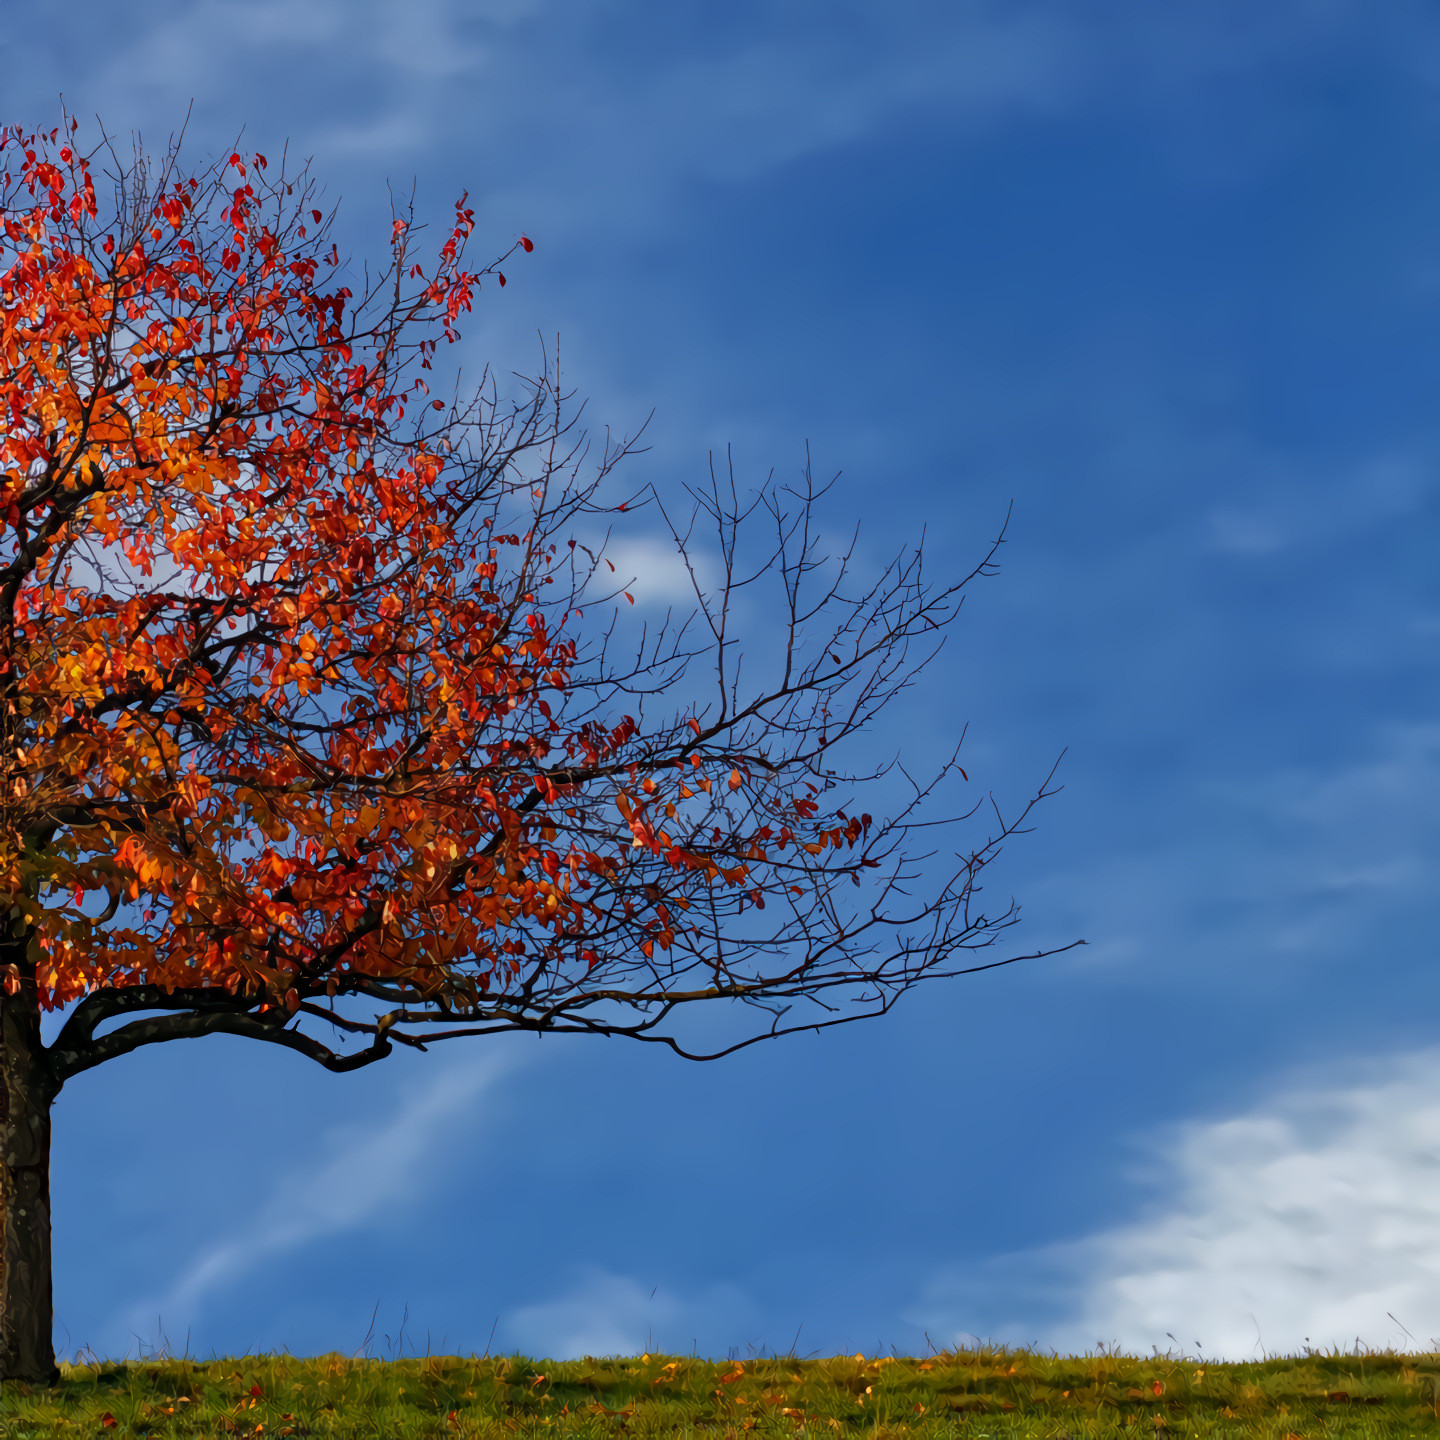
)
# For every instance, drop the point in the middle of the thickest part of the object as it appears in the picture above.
(1312, 1220)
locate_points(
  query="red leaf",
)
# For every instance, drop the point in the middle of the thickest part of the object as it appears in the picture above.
(502, 278)
(528, 244)
(736, 780)
(695, 726)
(108, 1420)
(315, 216)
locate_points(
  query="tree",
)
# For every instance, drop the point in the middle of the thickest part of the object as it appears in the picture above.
(311, 696)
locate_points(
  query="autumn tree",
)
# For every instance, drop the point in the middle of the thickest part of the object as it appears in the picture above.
(317, 725)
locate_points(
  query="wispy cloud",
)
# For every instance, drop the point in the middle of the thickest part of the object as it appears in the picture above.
(1313, 1219)
(592, 114)
(365, 1176)
(564, 112)
(1290, 507)
(1305, 864)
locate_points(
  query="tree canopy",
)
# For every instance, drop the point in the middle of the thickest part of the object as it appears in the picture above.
(313, 695)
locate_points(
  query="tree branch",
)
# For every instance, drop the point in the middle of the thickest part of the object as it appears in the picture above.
(155, 1029)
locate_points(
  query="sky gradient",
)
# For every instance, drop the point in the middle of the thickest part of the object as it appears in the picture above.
(1167, 281)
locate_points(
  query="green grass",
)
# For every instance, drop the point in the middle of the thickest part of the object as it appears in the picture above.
(980, 1394)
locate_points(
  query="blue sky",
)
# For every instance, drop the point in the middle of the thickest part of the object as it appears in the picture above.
(1167, 279)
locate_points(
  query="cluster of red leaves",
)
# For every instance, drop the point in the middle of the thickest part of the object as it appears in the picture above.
(280, 709)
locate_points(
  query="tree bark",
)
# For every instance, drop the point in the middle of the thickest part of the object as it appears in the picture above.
(27, 1091)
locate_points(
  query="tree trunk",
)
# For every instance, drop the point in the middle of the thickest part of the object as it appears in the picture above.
(27, 1090)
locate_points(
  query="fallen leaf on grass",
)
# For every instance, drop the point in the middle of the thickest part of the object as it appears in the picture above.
(596, 1408)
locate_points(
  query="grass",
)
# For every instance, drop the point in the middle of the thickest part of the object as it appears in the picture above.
(982, 1394)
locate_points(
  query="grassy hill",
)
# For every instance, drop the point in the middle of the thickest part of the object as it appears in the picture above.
(980, 1394)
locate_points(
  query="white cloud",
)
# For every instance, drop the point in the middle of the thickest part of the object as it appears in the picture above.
(608, 1314)
(654, 571)
(1311, 1220)
(368, 1173)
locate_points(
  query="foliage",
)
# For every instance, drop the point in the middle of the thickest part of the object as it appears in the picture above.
(982, 1393)
(299, 700)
